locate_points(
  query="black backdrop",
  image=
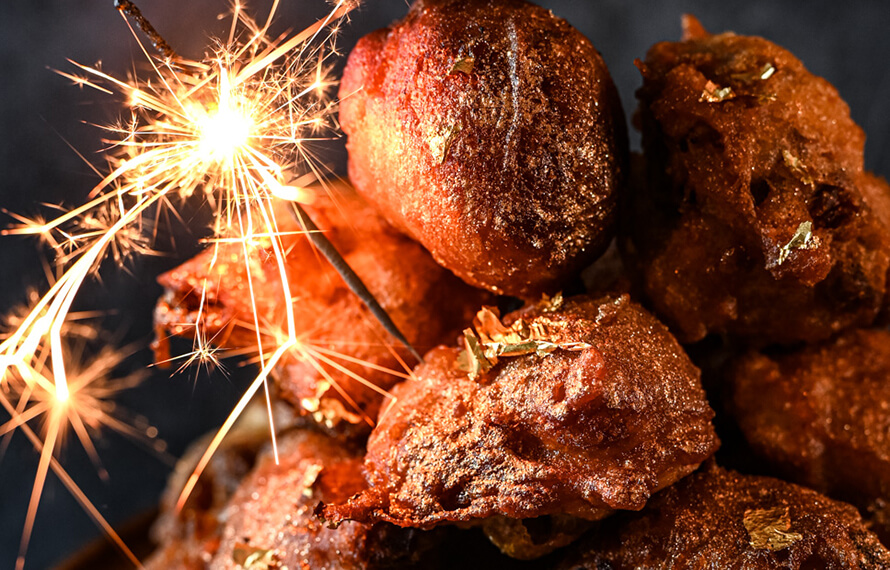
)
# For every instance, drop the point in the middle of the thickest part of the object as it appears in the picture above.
(41, 114)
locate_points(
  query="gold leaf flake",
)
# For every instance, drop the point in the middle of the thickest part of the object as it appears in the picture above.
(767, 71)
(252, 558)
(492, 340)
(803, 238)
(575, 346)
(545, 348)
(463, 362)
(313, 404)
(768, 528)
(550, 304)
(797, 167)
(473, 358)
(330, 412)
(491, 330)
(463, 65)
(441, 142)
(517, 349)
(310, 476)
(761, 74)
(713, 93)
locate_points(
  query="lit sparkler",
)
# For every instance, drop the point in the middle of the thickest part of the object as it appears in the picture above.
(231, 128)
(234, 129)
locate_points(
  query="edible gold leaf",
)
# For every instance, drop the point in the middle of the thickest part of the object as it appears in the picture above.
(551, 304)
(252, 558)
(797, 167)
(768, 528)
(491, 330)
(310, 476)
(517, 349)
(441, 142)
(761, 74)
(713, 93)
(545, 348)
(331, 412)
(463, 361)
(767, 71)
(803, 238)
(310, 404)
(492, 340)
(575, 346)
(473, 359)
(462, 65)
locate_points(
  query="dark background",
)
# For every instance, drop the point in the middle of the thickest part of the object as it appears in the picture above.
(41, 114)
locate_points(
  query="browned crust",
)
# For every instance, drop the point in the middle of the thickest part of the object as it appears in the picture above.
(578, 433)
(732, 179)
(508, 174)
(701, 523)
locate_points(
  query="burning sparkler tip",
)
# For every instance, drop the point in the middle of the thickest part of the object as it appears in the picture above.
(62, 394)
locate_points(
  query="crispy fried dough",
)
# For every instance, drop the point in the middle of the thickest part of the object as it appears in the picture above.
(492, 133)
(721, 519)
(427, 304)
(820, 416)
(760, 220)
(271, 513)
(579, 432)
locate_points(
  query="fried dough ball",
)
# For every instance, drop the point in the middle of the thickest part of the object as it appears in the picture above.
(428, 305)
(821, 415)
(188, 538)
(205, 534)
(271, 513)
(491, 132)
(721, 519)
(760, 220)
(586, 429)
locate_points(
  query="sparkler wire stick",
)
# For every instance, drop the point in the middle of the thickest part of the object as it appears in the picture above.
(217, 125)
(157, 40)
(263, 169)
(324, 245)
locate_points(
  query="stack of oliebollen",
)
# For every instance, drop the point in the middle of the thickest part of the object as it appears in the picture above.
(567, 298)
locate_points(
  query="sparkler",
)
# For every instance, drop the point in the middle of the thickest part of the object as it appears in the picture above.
(233, 129)
(30, 392)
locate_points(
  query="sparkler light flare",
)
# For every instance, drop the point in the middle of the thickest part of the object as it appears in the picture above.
(83, 407)
(234, 129)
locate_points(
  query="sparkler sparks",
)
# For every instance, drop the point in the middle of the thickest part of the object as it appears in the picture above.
(84, 407)
(232, 129)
